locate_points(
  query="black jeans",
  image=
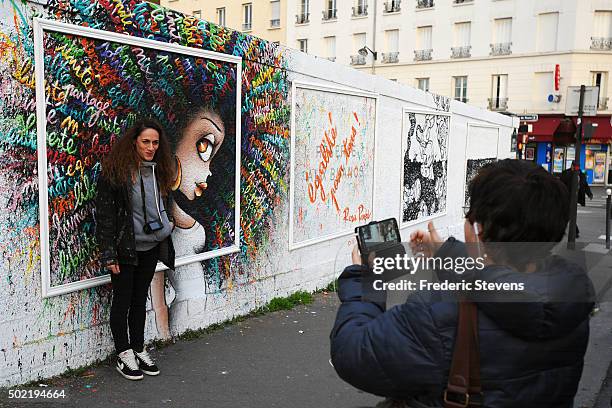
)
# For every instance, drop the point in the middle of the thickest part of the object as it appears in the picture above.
(130, 290)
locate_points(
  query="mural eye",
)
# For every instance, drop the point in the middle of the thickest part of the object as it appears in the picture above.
(205, 147)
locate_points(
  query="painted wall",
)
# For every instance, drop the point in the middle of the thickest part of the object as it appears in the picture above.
(42, 337)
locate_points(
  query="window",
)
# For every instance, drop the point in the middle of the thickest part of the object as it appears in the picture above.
(462, 34)
(303, 12)
(503, 31)
(602, 31)
(461, 40)
(544, 86)
(361, 9)
(330, 47)
(424, 35)
(197, 13)
(329, 13)
(275, 17)
(423, 84)
(499, 93)
(600, 79)
(359, 40)
(423, 49)
(548, 24)
(502, 37)
(392, 40)
(247, 16)
(602, 25)
(303, 45)
(460, 84)
(221, 16)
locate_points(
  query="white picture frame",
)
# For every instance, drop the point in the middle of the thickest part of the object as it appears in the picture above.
(293, 242)
(405, 129)
(41, 26)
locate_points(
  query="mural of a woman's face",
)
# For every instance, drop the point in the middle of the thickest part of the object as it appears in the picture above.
(200, 141)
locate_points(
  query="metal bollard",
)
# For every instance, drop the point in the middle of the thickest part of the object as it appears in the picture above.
(608, 205)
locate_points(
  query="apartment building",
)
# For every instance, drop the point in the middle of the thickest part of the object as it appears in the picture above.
(262, 18)
(513, 56)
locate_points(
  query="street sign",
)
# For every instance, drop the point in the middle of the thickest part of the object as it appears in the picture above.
(591, 100)
(528, 118)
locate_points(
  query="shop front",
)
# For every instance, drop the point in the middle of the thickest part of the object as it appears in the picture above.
(551, 143)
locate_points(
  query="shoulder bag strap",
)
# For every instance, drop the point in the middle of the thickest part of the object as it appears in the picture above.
(463, 389)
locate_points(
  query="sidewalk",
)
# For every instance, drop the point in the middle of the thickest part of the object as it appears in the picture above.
(277, 360)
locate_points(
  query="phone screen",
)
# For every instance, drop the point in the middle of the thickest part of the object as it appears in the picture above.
(376, 233)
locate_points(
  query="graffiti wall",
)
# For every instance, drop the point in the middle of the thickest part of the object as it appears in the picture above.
(332, 163)
(97, 85)
(75, 73)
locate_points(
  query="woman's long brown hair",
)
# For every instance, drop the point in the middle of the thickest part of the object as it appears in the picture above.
(122, 162)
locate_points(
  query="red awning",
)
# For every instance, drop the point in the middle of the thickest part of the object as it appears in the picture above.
(562, 129)
(603, 131)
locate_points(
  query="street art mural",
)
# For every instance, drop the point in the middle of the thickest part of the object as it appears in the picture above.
(235, 198)
(473, 166)
(332, 162)
(480, 149)
(425, 165)
(98, 83)
(87, 106)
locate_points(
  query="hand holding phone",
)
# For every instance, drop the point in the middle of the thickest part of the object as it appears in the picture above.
(376, 238)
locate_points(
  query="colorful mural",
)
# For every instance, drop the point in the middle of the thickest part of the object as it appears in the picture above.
(81, 105)
(332, 163)
(96, 88)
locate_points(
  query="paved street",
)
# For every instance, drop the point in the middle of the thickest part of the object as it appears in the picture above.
(281, 360)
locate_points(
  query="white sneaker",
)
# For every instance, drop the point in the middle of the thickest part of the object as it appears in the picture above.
(127, 365)
(145, 363)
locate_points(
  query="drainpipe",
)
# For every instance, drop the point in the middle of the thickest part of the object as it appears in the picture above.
(374, 39)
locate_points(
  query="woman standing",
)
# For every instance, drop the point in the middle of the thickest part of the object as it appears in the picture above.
(133, 232)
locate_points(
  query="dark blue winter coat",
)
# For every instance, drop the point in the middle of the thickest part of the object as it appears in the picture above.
(531, 353)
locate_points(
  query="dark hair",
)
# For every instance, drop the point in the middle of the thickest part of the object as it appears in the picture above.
(518, 201)
(211, 208)
(122, 161)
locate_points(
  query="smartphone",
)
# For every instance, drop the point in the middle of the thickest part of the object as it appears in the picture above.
(377, 234)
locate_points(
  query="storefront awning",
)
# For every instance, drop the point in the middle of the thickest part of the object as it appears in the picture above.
(561, 129)
(603, 132)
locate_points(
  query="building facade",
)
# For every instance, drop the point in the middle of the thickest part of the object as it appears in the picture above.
(511, 56)
(262, 18)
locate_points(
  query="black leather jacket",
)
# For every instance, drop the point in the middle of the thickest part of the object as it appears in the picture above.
(115, 227)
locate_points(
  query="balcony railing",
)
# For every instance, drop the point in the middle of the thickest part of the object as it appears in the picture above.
(275, 22)
(392, 6)
(498, 104)
(360, 11)
(330, 14)
(601, 43)
(421, 4)
(501, 49)
(390, 57)
(461, 52)
(462, 1)
(603, 103)
(358, 59)
(422, 55)
(246, 26)
(302, 18)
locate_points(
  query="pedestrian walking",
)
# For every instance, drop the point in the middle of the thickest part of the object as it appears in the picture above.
(583, 187)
